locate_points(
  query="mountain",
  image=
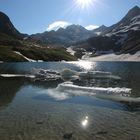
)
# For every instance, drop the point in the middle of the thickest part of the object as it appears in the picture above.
(15, 48)
(130, 22)
(68, 36)
(6, 26)
(122, 37)
(116, 33)
(100, 30)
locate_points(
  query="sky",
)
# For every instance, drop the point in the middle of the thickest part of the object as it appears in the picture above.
(36, 16)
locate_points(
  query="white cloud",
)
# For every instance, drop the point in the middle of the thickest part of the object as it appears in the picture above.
(58, 24)
(91, 27)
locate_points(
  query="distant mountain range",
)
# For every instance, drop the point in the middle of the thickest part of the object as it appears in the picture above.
(122, 37)
(68, 36)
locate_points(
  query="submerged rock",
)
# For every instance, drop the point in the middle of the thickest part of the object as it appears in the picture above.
(68, 74)
(101, 132)
(42, 74)
(39, 122)
(68, 136)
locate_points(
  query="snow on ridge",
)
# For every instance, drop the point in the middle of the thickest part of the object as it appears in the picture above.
(133, 25)
(124, 29)
(135, 18)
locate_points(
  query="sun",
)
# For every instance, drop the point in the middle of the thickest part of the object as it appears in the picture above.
(83, 4)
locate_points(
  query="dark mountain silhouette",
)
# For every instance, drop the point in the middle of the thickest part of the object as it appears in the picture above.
(6, 26)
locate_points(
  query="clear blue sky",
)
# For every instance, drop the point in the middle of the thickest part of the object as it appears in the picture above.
(33, 16)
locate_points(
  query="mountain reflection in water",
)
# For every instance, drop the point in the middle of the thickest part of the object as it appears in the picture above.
(8, 90)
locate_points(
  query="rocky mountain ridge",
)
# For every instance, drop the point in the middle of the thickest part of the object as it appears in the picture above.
(122, 37)
(68, 36)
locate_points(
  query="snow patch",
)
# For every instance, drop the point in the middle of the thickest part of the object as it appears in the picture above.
(98, 33)
(135, 18)
(133, 25)
(28, 59)
(71, 51)
(16, 75)
(113, 57)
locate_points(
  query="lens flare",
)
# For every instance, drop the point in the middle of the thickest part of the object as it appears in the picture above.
(83, 4)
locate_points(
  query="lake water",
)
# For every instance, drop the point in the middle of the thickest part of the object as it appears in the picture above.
(84, 108)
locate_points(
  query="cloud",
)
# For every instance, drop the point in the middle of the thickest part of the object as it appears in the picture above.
(58, 24)
(91, 27)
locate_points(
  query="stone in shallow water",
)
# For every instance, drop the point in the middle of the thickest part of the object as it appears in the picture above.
(68, 136)
(102, 133)
(39, 122)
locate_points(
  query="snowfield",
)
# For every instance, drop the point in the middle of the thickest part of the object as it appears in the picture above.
(114, 57)
(70, 50)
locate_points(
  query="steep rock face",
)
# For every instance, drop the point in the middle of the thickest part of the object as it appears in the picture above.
(122, 37)
(130, 22)
(117, 33)
(6, 26)
(132, 43)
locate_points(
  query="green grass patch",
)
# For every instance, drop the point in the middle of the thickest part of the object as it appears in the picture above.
(7, 55)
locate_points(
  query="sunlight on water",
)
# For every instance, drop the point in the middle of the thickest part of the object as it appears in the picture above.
(86, 65)
(85, 121)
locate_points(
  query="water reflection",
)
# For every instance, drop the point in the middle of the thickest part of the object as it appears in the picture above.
(101, 76)
(8, 90)
(85, 122)
(86, 65)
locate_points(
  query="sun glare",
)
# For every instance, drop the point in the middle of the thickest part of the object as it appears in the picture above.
(85, 122)
(83, 4)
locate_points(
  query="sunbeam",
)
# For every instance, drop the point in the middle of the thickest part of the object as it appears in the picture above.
(83, 4)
